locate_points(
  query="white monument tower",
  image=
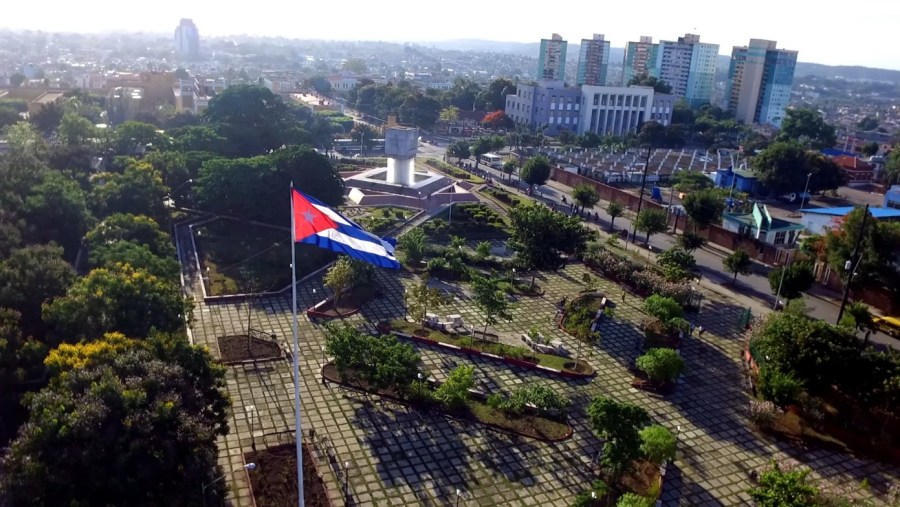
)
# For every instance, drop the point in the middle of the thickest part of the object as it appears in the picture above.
(400, 146)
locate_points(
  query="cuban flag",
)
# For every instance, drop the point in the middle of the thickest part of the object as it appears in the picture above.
(314, 223)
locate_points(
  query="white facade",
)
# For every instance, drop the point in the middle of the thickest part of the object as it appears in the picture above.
(187, 39)
(689, 67)
(342, 83)
(615, 110)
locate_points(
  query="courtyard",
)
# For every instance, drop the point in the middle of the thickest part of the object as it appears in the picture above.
(394, 455)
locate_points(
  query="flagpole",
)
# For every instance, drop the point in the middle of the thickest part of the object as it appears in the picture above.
(298, 428)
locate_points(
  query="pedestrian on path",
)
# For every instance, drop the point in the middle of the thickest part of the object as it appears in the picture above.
(700, 331)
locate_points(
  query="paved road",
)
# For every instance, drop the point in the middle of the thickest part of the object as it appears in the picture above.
(822, 303)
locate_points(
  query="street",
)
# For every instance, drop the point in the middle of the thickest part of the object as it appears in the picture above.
(754, 288)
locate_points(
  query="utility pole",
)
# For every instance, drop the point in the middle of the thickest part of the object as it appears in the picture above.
(849, 266)
(641, 196)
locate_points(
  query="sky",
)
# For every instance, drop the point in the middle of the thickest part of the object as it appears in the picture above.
(847, 33)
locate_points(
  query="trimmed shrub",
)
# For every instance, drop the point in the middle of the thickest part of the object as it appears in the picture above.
(658, 444)
(780, 388)
(661, 365)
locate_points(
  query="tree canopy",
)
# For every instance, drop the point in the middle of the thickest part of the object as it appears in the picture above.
(793, 279)
(122, 299)
(56, 210)
(137, 427)
(880, 249)
(783, 167)
(32, 276)
(808, 128)
(541, 236)
(139, 190)
(138, 229)
(704, 207)
(658, 85)
(536, 171)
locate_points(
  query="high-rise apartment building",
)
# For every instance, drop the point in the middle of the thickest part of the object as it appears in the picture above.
(593, 61)
(640, 59)
(552, 60)
(759, 82)
(689, 67)
(187, 39)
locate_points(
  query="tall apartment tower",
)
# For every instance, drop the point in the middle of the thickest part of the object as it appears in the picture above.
(593, 61)
(640, 59)
(187, 39)
(759, 82)
(689, 67)
(552, 60)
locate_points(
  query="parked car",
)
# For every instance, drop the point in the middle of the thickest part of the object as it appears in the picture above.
(887, 325)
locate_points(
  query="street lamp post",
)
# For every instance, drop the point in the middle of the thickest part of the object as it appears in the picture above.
(458, 494)
(204, 487)
(641, 196)
(805, 190)
(346, 480)
(849, 264)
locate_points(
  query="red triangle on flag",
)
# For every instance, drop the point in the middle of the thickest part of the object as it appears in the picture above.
(308, 219)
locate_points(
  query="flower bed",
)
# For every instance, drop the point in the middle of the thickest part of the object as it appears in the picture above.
(349, 303)
(240, 348)
(528, 424)
(453, 171)
(516, 356)
(638, 278)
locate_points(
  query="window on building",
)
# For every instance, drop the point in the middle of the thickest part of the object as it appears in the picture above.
(780, 237)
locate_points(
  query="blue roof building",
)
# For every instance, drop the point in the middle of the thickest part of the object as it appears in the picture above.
(819, 220)
(741, 179)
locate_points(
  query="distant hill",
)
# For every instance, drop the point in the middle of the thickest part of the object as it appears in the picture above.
(617, 55)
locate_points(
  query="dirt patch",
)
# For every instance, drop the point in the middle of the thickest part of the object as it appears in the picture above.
(349, 303)
(274, 481)
(236, 348)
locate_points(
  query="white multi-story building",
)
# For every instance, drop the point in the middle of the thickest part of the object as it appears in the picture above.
(187, 39)
(759, 82)
(552, 59)
(614, 110)
(689, 67)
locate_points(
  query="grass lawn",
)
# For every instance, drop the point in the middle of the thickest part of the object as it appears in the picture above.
(243, 257)
(521, 423)
(382, 220)
(434, 164)
(548, 360)
(580, 314)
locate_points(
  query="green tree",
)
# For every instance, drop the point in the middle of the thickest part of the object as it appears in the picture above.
(381, 362)
(620, 424)
(21, 364)
(493, 98)
(857, 316)
(867, 123)
(614, 209)
(254, 120)
(139, 428)
(705, 207)
(566, 137)
(892, 167)
(8, 116)
(449, 114)
(879, 246)
(661, 364)
(32, 276)
(413, 244)
(481, 146)
(132, 137)
(241, 186)
(676, 257)
(17, 79)
(739, 263)
(663, 308)
(585, 196)
(793, 279)
(198, 138)
(138, 229)
(540, 236)
(689, 181)
(47, 117)
(126, 300)
(780, 388)
(420, 299)
(651, 221)
(137, 256)
(56, 210)
(807, 127)
(491, 299)
(339, 277)
(510, 167)
(459, 150)
(454, 392)
(536, 171)
(784, 488)
(139, 190)
(690, 241)
(24, 140)
(658, 444)
(658, 85)
(75, 129)
(870, 149)
(483, 250)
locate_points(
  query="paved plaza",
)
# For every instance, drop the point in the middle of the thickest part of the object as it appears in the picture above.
(398, 456)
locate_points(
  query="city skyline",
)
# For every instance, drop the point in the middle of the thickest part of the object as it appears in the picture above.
(814, 34)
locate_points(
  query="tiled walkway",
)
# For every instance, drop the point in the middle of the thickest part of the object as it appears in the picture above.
(402, 457)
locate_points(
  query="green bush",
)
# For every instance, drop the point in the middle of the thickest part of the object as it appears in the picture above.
(661, 365)
(658, 444)
(419, 392)
(780, 388)
(784, 488)
(634, 500)
(663, 308)
(385, 212)
(454, 393)
(494, 401)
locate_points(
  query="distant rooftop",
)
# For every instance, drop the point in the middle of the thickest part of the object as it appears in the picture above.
(841, 211)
